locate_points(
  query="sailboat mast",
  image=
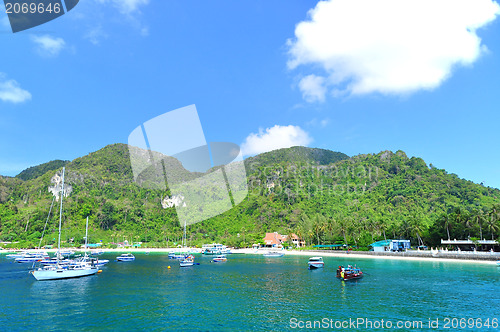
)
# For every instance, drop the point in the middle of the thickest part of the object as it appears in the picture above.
(60, 218)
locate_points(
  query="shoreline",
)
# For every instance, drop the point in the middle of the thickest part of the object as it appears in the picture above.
(342, 254)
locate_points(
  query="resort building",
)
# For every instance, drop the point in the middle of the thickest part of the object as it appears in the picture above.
(470, 245)
(391, 245)
(273, 240)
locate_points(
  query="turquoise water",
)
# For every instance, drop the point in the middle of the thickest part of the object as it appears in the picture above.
(249, 293)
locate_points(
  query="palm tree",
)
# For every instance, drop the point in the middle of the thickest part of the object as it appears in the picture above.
(478, 219)
(318, 225)
(492, 222)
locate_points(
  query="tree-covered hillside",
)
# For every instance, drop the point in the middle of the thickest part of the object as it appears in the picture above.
(323, 196)
(36, 171)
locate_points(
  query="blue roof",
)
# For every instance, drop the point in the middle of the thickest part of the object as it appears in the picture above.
(383, 243)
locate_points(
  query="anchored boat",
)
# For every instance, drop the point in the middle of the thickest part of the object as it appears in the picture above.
(315, 263)
(349, 272)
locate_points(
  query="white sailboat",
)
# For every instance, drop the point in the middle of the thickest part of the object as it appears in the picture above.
(58, 271)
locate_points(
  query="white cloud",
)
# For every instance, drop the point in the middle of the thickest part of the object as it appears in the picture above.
(273, 138)
(387, 46)
(5, 22)
(313, 88)
(47, 45)
(11, 91)
(95, 35)
(127, 7)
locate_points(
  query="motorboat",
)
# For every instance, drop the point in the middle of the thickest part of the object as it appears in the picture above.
(273, 254)
(219, 258)
(125, 257)
(188, 261)
(315, 263)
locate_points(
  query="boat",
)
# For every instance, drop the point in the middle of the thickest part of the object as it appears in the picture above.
(125, 257)
(31, 257)
(315, 263)
(180, 255)
(215, 249)
(58, 271)
(96, 252)
(188, 261)
(349, 272)
(17, 254)
(219, 258)
(498, 263)
(273, 254)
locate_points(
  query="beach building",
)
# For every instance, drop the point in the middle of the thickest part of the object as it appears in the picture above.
(470, 245)
(390, 245)
(275, 240)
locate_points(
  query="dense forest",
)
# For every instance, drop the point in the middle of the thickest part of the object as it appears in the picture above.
(325, 197)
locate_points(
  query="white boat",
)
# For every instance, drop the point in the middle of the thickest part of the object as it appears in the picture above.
(273, 254)
(315, 263)
(498, 263)
(125, 257)
(174, 255)
(32, 257)
(58, 271)
(96, 252)
(17, 254)
(215, 249)
(219, 258)
(188, 261)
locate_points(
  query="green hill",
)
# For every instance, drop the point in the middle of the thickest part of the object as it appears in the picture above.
(324, 196)
(36, 171)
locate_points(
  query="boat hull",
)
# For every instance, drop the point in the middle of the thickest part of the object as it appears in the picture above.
(55, 274)
(318, 265)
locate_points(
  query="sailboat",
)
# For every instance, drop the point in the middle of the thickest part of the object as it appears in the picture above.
(59, 271)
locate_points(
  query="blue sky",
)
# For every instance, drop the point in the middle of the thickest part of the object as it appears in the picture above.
(349, 76)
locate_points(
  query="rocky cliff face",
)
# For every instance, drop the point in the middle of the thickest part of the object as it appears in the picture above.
(55, 187)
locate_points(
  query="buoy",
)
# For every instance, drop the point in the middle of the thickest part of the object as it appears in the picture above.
(168, 267)
(99, 271)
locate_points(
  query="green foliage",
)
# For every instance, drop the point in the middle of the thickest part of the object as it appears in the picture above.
(324, 197)
(36, 171)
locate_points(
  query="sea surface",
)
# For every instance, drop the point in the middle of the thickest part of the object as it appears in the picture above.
(253, 293)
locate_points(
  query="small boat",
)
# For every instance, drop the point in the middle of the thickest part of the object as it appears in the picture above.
(349, 272)
(188, 261)
(315, 263)
(179, 256)
(96, 252)
(125, 257)
(219, 258)
(17, 254)
(273, 254)
(32, 257)
(498, 263)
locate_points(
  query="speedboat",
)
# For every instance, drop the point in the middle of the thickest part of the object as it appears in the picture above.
(315, 263)
(219, 258)
(188, 261)
(179, 256)
(349, 272)
(125, 257)
(273, 254)
(96, 252)
(32, 257)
